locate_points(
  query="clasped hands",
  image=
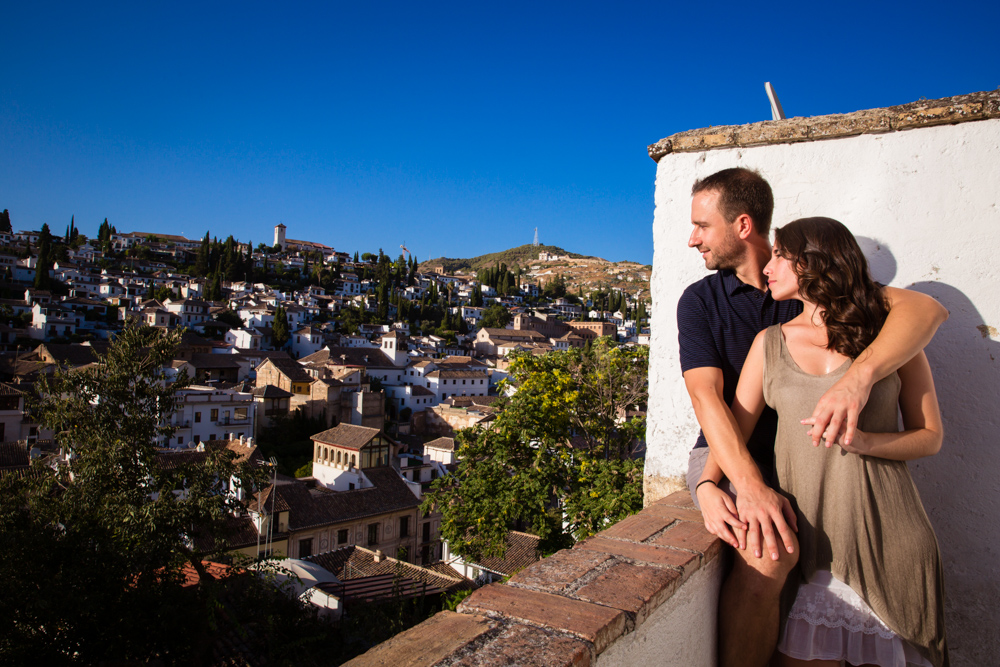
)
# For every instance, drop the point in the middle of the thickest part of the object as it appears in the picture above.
(760, 516)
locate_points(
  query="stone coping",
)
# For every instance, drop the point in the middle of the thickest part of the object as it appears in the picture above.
(923, 113)
(568, 608)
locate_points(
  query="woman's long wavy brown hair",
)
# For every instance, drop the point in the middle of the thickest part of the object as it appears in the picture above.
(833, 273)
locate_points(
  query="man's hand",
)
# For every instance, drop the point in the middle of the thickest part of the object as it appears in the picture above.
(837, 411)
(765, 511)
(721, 519)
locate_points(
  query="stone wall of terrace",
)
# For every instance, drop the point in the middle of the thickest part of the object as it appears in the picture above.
(642, 592)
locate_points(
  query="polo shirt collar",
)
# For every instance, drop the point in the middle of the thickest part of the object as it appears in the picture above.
(731, 283)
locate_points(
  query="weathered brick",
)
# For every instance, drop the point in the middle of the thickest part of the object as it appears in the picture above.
(684, 535)
(636, 589)
(428, 643)
(560, 570)
(685, 561)
(670, 514)
(680, 499)
(637, 527)
(598, 625)
(528, 646)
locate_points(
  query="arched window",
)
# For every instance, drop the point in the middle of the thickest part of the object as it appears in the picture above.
(354, 460)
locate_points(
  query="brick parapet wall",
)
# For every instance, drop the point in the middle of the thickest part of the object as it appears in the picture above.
(923, 113)
(571, 607)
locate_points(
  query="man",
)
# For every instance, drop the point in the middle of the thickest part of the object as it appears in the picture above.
(718, 318)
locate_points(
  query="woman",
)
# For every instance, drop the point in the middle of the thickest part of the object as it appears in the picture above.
(871, 587)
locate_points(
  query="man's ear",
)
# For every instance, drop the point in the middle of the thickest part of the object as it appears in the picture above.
(743, 226)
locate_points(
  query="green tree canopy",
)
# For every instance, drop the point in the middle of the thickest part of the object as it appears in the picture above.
(495, 316)
(94, 558)
(559, 460)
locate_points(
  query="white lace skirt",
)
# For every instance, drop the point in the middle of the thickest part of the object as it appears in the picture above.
(829, 621)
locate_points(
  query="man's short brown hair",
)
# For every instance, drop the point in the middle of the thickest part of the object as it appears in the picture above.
(740, 191)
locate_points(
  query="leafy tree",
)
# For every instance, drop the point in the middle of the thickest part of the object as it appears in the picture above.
(116, 534)
(560, 457)
(229, 317)
(495, 316)
(279, 330)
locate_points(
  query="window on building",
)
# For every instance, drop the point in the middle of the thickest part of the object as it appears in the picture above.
(342, 536)
(180, 441)
(372, 534)
(305, 548)
(197, 417)
(240, 414)
(214, 416)
(425, 555)
(427, 532)
(404, 525)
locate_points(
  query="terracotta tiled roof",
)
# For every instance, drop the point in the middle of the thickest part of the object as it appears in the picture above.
(457, 361)
(459, 374)
(14, 455)
(522, 551)
(354, 562)
(169, 459)
(291, 369)
(446, 444)
(71, 354)
(347, 435)
(368, 357)
(310, 509)
(209, 360)
(271, 391)
(9, 390)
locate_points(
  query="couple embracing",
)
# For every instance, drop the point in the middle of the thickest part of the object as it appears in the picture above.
(798, 366)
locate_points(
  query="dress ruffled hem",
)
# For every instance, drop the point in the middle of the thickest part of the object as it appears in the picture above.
(829, 621)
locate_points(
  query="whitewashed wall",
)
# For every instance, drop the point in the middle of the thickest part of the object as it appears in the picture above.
(924, 203)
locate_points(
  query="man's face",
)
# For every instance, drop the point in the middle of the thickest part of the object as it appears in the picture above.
(712, 235)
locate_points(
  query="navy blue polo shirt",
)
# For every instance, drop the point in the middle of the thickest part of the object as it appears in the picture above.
(717, 319)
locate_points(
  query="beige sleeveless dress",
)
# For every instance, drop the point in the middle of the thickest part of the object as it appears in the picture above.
(859, 518)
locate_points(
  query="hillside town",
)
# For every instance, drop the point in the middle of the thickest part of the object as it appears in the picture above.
(381, 363)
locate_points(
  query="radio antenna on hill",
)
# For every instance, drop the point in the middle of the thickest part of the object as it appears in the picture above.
(536, 237)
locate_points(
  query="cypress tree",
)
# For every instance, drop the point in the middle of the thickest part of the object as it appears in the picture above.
(279, 330)
(201, 263)
(5, 221)
(44, 258)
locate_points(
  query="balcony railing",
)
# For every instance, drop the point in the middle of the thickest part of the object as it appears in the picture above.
(232, 421)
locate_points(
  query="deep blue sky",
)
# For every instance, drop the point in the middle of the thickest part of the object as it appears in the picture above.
(455, 127)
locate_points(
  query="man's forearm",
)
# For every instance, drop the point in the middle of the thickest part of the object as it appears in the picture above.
(724, 439)
(913, 320)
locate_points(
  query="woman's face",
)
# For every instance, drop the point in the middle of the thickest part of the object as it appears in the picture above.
(782, 281)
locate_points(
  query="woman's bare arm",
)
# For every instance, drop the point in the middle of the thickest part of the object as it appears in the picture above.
(918, 403)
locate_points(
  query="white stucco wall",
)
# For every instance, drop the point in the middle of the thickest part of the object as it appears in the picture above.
(924, 204)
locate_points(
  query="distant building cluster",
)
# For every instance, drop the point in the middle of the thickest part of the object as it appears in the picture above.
(390, 401)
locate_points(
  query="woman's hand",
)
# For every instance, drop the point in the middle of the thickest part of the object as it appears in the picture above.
(721, 518)
(859, 443)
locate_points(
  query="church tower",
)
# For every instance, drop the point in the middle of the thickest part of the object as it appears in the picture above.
(279, 235)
